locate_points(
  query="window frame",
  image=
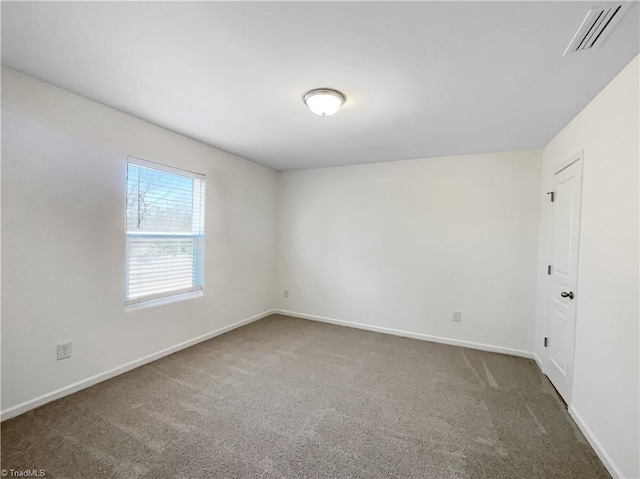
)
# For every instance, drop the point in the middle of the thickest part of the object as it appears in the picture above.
(156, 299)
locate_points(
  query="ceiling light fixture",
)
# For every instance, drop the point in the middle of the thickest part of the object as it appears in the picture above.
(324, 101)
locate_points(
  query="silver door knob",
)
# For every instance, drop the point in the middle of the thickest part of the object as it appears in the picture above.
(569, 295)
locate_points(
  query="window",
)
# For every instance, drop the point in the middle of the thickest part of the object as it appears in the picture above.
(165, 232)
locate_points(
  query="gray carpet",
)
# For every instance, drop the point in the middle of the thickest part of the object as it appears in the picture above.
(289, 398)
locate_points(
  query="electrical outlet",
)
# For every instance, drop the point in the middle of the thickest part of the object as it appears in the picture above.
(64, 351)
(286, 293)
(457, 316)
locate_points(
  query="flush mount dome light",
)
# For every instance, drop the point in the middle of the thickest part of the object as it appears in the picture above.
(324, 101)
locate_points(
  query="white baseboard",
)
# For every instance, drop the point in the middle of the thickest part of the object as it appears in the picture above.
(538, 361)
(407, 334)
(595, 444)
(90, 381)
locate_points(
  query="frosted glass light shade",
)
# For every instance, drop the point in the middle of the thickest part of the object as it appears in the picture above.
(324, 101)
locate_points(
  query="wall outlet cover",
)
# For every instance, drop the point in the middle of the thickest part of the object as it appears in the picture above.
(64, 351)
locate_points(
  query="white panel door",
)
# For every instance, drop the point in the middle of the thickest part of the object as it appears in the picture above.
(561, 321)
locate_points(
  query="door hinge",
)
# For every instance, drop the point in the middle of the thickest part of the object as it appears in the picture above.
(552, 194)
(549, 269)
(546, 342)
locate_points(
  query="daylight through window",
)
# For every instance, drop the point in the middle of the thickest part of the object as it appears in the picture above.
(165, 231)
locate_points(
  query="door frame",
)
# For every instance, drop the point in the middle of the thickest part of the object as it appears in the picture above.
(575, 158)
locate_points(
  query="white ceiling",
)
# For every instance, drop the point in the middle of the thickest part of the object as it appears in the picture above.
(422, 79)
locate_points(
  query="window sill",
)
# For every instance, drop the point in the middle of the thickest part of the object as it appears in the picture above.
(152, 303)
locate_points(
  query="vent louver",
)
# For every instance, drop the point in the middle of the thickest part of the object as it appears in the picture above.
(596, 26)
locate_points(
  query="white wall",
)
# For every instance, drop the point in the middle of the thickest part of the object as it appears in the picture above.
(605, 398)
(403, 244)
(63, 237)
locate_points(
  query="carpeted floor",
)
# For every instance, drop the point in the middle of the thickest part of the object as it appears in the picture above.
(290, 398)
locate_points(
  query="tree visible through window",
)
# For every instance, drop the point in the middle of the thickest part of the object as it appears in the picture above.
(165, 231)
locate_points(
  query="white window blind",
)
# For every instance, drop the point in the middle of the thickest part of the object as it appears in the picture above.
(165, 231)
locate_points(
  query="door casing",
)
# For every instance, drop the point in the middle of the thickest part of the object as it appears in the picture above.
(576, 158)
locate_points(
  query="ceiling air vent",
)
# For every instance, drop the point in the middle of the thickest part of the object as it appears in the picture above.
(595, 27)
